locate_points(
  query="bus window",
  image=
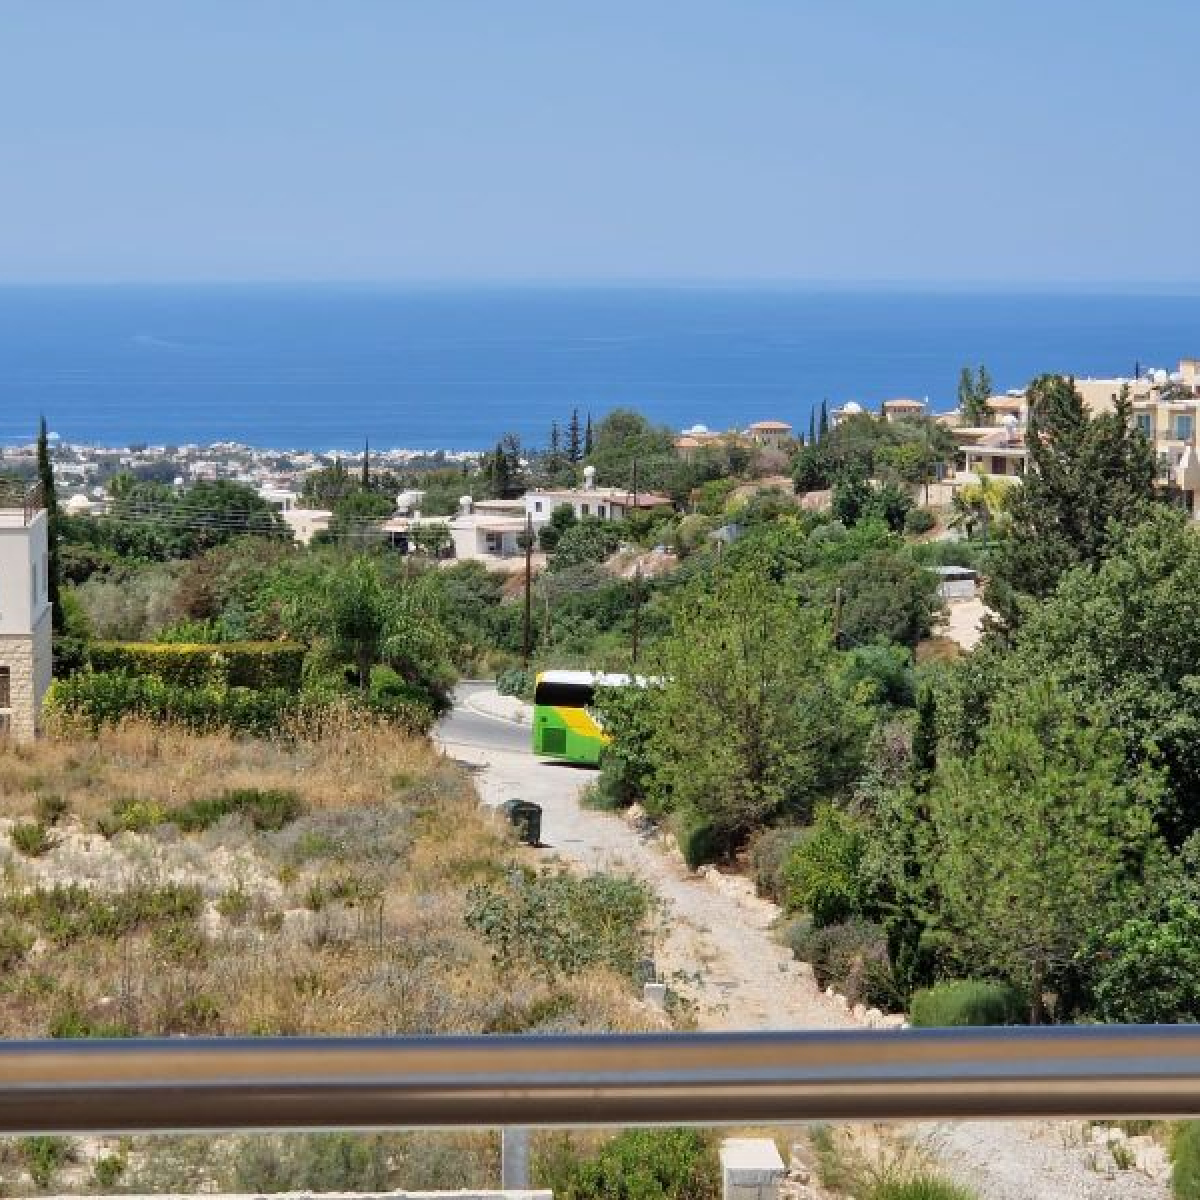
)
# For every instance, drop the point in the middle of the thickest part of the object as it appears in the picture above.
(564, 695)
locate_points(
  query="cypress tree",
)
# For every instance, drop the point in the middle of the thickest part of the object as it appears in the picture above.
(587, 438)
(574, 438)
(812, 426)
(45, 470)
(823, 428)
(555, 439)
(366, 466)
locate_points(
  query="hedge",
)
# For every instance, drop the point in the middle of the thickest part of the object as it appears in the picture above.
(1185, 1161)
(99, 698)
(966, 1002)
(258, 665)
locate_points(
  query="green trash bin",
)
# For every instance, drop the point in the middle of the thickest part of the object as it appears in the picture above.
(526, 818)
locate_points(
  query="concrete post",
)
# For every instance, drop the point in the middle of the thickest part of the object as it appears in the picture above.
(514, 1158)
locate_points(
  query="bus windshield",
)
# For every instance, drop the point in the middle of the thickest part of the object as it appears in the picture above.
(564, 695)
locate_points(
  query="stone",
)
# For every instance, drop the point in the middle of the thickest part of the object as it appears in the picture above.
(655, 995)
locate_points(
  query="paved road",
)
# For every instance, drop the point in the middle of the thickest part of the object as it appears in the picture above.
(463, 726)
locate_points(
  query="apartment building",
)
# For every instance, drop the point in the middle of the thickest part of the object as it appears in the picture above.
(25, 648)
(1166, 408)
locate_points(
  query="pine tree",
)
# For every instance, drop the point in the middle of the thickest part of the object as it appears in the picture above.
(574, 438)
(588, 444)
(45, 469)
(983, 387)
(823, 428)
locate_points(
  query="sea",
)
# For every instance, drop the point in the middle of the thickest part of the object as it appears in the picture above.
(325, 367)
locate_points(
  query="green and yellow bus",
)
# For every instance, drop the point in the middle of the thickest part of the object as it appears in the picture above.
(563, 724)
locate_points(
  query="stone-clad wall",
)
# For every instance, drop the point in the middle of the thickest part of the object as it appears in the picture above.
(28, 660)
(16, 653)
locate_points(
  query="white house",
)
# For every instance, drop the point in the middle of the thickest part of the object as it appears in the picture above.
(607, 503)
(488, 529)
(25, 651)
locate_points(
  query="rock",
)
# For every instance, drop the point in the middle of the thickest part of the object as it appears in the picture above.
(874, 1017)
(655, 995)
(859, 1012)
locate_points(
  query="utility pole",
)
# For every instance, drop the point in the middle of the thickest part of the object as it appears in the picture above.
(527, 640)
(838, 597)
(637, 611)
(635, 486)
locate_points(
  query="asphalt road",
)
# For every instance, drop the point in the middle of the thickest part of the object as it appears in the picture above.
(462, 726)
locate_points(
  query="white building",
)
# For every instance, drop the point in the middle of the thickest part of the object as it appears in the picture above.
(25, 649)
(607, 503)
(489, 529)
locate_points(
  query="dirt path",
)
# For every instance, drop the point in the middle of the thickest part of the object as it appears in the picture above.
(715, 949)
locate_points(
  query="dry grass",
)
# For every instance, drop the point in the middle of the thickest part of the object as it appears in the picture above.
(348, 920)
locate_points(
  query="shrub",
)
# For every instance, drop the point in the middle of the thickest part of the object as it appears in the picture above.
(255, 665)
(15, 944)
(107, 1171)
(1185, 1161)
(919, 520)
(639, 1164)
(768, 852)
(822, 875)
(850, 957)
(699, 842)
(265, 809)
(51, 808)
(43, 1155)
(967, 1002)
(66, 913)
(131, 815)
(32, 839)
(562, 922)
(516, 681)
(1146, 968)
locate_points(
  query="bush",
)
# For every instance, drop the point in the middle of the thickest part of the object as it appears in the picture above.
(699, 842)
(51, 808)
(919, 520)
(255, 665)
(266, 809)
(967, 1002)
(516, 681)
(563, 922)
(43, 1155)
(1185, 1161)
(850, 957)
(639, 1164)
(822, 876)
(31, 838)
(1146, 968)
(132, 815)
(15, 944)
(66, 913)
(768, 852)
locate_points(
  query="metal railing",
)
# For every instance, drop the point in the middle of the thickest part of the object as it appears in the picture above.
(29, 498)
(710, 1079)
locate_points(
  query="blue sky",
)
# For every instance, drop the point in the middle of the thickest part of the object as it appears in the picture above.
(812, 140)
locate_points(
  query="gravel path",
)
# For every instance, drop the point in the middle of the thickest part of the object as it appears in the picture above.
(716, 950)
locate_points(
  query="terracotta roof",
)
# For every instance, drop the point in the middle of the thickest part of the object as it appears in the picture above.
(772, 426)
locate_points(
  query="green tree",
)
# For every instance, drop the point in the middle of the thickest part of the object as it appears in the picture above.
(823, 427)
(1032, 836)
(574, 438)
(749, 729)
(588, 541)
(972, 401)
(588, 438)
(1085, 475)
(45, 469)
(887, 598)
(561, 519)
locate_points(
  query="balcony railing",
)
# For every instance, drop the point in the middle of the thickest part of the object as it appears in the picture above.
(710, 1079)
(20, 495)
